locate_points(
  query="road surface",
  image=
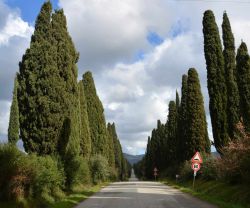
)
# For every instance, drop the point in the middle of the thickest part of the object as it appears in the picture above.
(140, 194)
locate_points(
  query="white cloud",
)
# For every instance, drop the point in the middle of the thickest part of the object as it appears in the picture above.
(14, 26)
(4, 117)
(109, 34)
(14, 39)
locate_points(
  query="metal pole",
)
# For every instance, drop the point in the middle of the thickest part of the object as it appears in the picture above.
(194, 179)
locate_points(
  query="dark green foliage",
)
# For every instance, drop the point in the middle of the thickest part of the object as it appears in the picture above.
(37, 68)
(233, 100)
(216, 80)
(121, 164)
(85, 139)
(243, 79)
(48, 90)
(177, 101)
(97, 123)
(182, 120)
(197, 136)
(13, 130)
(171, 146)
(111, 145)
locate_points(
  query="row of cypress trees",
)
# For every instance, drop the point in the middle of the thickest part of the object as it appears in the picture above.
(51, 111)
(228, 78)
(184, 133)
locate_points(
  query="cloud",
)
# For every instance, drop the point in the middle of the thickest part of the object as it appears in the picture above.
(14, 39)
(137, 50)
(109, 31)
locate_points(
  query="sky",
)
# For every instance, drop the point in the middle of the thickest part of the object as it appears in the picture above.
(137, 50)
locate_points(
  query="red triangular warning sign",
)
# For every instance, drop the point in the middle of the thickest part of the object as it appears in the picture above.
(197, 158)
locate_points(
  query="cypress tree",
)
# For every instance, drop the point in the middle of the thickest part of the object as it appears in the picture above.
(230, 69)
(182, 120)
(172, 130)
(13, 130)
(197, 136)
(111, 147)
(215, 80)
(243, 79)
(177, 101)
(36, 82)
(66, 58)
(48, 92)
(85, 139)
(97, 123)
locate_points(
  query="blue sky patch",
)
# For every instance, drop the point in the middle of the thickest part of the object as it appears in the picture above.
(29, 8)
(154, 39)
(139, 55)
(180, 27)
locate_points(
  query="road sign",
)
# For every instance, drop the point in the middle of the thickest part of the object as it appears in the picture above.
(155, 173)
(155, 170)
(196, 166)
(197, 158)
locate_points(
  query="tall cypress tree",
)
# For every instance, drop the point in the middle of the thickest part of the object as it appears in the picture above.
(13, 130)
(172, 130)
(197, 136)
(111, 146)
(85, 139)
(243, 79)
(182, 120)
(233, 99)
(97, 123)
(36, 82)
(216, 80)
(177, 101)
(66, 58)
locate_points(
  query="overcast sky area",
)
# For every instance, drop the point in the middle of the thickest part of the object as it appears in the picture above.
(137, 51)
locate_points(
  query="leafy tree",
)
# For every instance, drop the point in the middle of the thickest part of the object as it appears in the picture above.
(197, 135)
(243, 79)
(216, 80)
(13, 130)
(230, 72)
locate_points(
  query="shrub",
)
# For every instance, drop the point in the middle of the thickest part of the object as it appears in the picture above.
(99, 169)
(49, 179)
(234, 165)
(208, 169)
(77, 172)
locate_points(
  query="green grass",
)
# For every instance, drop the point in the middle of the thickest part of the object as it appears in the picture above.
(78, 196)
(221, 194)
(71, 200)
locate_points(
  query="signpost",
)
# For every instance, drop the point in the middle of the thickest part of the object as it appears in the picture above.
(155, 172)
(196, 164)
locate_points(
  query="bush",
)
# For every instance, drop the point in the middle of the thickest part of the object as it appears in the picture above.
(209, 167)
(29, 176)
(234, 166)
(77, 172)
(14, 180)
(49, 179)
(99, 169)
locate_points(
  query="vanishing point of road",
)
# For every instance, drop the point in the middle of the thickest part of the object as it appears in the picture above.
(140, 194)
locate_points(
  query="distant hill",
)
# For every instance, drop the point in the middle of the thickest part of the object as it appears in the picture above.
(133, 158)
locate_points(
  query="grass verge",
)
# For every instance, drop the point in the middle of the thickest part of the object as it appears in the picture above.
(221, 194)
(78, 196)
(69, 201)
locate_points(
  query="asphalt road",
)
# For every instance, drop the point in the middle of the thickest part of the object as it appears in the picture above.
(140, 194)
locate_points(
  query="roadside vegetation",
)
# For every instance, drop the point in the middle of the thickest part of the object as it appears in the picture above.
(69, 148)
(225, 179)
